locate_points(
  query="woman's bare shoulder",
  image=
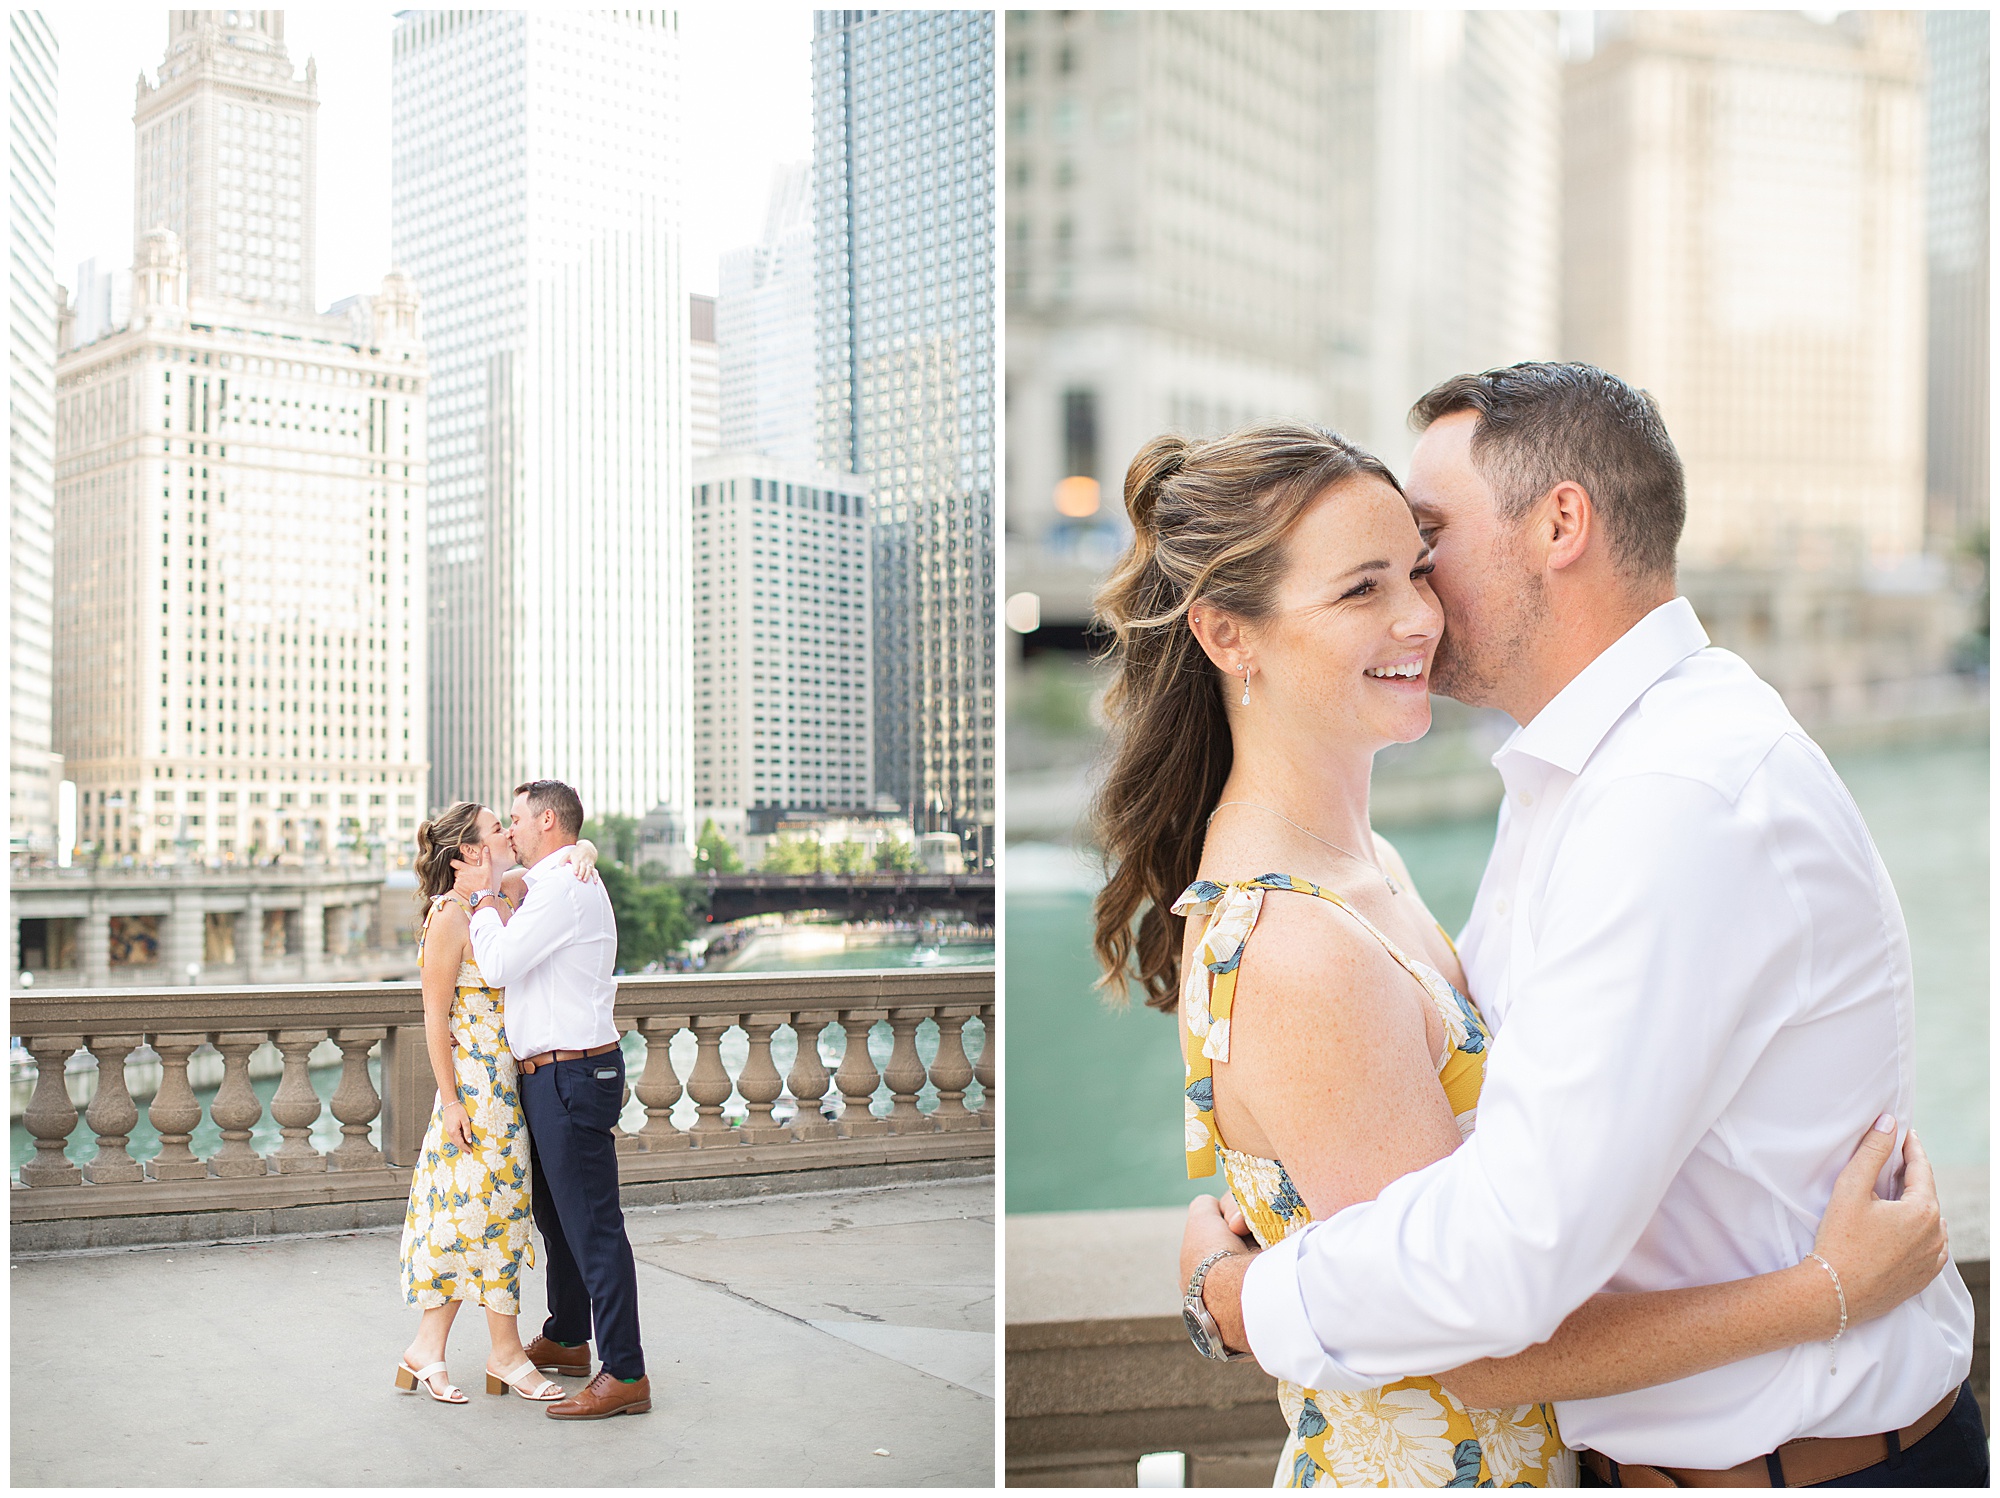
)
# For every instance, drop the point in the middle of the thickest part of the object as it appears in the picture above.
(1309, 955)
(449, 919)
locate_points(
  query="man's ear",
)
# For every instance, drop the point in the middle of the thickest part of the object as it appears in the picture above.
(1569, 520)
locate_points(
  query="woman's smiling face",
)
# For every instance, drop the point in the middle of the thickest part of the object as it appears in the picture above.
(1345, 651)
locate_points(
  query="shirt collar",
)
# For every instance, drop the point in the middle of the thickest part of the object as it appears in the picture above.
(546, 864)
(1567, 731)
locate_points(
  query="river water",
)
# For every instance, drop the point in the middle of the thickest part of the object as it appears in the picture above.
(1093, 1093)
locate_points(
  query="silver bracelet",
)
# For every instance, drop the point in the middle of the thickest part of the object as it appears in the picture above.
(1833, 1347)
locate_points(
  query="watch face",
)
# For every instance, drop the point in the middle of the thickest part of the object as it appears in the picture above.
(1197, 1333)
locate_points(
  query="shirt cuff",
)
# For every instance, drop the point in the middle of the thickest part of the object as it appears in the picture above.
(486, 914)
(1281, 1332)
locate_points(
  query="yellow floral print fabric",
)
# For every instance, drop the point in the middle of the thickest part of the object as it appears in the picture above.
(467, 1229)
(1412, 1433)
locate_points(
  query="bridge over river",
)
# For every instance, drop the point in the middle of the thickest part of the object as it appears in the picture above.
(855, 897)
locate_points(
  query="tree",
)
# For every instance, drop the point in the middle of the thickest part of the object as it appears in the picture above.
(847, 857)
(714, 853)
(793, 855)
(616, 837)
(894, 855)
(653, 919)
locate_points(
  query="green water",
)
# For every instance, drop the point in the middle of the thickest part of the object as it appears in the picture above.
(1093, 1093)
(949, 954)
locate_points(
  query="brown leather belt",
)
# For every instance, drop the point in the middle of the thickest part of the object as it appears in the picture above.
(536, 1063)
(1796, 1464)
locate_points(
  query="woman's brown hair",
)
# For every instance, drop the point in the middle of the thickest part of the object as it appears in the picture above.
(1209, 521)
(438, 842)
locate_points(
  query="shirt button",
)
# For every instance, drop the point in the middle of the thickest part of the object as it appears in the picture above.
(1525, 799)
(1501, 906)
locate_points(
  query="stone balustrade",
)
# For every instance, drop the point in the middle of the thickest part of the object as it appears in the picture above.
(807, 1127)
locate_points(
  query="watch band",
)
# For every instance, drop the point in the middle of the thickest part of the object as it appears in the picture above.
(1201, 1269)
(1201, 1324)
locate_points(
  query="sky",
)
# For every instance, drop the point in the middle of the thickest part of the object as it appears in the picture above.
(747, 78)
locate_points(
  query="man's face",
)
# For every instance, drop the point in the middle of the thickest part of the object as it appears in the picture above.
(529, 830)
(1493, 595)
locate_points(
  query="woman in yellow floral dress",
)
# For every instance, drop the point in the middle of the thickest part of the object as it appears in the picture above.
(1275, 629)
(1414, 1433)
(467, 1229)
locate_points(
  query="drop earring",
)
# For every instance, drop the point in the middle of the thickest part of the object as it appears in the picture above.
(1246, 686)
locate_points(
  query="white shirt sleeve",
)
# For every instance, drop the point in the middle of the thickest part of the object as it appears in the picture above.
(1668, 946)
(508, 950)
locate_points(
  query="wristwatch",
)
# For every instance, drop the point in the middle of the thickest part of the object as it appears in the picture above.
(1201, 1327)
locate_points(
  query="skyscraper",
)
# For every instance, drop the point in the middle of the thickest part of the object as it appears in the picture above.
(782, 686)
(31, 386)
(1744, 238)
(536, 204)
(227, 157)
(704, 379)
(1957, 240)
(764, 329)
(904, 263)
(1222, 216)
(240, 508)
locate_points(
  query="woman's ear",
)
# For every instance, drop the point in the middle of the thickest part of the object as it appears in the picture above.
(1221, 636)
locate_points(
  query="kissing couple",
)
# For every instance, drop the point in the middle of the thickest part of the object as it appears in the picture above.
(517, 953)
(1683, 995)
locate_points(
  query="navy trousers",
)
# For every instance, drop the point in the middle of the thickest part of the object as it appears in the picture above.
(1952, 1456)
(572, 1108)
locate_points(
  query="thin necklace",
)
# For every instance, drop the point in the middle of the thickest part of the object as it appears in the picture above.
(1394, 887)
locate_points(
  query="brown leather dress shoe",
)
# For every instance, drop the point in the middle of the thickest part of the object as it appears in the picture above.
(605, 1396)
(553, 1357)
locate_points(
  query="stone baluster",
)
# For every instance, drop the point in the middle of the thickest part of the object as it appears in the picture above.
(355, 1102)
(296, 1105)
(112, 1113)
(982, 1069)
(51, 1116)
(708, 1084)
(760, 1084)
(176, 1111)
(809, 1079)
(951, 1071)
(659, 1086)
(857, 1078)
(236, 1108)
(905, 1073)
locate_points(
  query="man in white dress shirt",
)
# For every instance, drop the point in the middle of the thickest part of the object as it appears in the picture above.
(554, 958)
(1697, 975)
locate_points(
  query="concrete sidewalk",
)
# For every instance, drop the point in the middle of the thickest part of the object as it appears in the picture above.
(789, 1340)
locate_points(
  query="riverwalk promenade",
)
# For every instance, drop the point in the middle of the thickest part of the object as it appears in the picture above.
(837, 1338)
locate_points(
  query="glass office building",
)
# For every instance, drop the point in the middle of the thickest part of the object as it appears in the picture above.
(31, 390)
(904, 265)
(536, 206)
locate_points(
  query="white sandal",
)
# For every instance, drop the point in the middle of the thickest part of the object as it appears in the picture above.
(409, 1380)
(545, 1392)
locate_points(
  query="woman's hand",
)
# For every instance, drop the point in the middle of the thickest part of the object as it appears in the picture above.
(458, 1124)
(474, 876)
(1884, 1251)
(581, 856)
